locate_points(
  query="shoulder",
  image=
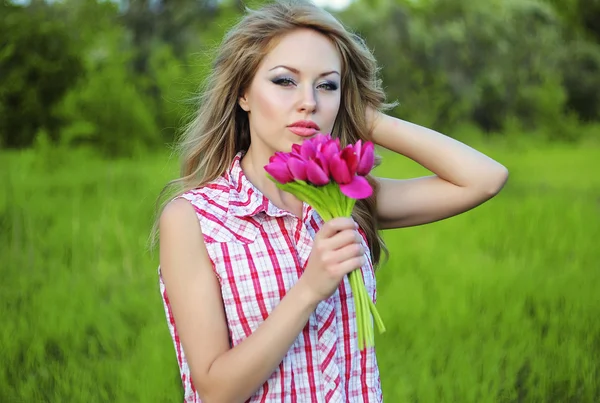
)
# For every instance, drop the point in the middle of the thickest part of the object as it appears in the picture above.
(208, 206)
(181, 240)
(178, 220)
(211, 198)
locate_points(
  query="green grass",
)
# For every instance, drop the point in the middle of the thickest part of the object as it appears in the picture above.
(500, 304)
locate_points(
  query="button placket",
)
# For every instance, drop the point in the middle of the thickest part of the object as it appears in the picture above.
(303, 235)
(327, 342)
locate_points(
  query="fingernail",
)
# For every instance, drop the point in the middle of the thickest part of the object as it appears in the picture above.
(356, 225)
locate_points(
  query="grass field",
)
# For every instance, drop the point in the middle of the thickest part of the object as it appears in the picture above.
(500, 304)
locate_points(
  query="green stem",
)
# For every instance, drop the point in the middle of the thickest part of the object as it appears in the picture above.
(363, 313)
(307, 193)
(376, 316)
(368, 319)
(365, 308)
(358, 309)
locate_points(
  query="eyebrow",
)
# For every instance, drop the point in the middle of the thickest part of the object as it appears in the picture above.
(298, 72)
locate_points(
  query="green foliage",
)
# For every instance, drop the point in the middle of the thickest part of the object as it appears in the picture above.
(581, 69)
(178, 83)
(107, 110)
(38, 64)
(453, 61)
(125, 77)
(581, 16)
(497, 305)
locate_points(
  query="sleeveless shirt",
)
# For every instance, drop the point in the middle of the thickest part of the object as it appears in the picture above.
(258, 252)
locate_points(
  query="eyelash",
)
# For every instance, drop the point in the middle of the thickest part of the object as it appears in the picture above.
(280, 81)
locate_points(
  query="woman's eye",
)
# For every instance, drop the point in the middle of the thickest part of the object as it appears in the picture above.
(329, 86)
(285, 82)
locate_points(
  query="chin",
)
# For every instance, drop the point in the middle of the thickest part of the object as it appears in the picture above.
(295, 140)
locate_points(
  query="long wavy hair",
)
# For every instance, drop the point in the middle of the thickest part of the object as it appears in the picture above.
(220, 128)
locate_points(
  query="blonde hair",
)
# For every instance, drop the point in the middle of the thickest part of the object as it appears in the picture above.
(220, 128)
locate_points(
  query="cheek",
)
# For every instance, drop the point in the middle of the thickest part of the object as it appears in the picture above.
(330, 110)
(269, 103)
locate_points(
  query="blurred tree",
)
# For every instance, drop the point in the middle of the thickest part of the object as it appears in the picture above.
(581, 16)
(163, 34)
(175, 22)
(581, 67)
(107, 110)
(454, 61)
(38, 64)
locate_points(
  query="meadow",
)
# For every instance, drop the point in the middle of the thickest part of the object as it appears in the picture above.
(500, 304)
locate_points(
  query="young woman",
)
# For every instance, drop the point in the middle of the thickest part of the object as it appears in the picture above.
(253, 282)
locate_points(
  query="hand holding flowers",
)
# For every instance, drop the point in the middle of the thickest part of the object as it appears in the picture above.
(331, 179)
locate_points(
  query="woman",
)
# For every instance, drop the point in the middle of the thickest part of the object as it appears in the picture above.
(253, 281)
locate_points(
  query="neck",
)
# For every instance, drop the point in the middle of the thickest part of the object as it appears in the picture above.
(253, 164)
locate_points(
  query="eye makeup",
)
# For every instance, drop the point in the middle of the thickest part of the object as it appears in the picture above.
(287, 81)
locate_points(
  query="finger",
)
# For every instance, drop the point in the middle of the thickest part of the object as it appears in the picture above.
(341, 239)
(350, 265)
(335, 225)
(348, 252)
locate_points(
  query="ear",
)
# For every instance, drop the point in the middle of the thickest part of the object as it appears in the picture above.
(243, 102)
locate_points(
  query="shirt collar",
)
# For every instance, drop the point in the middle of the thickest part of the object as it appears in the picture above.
(245, 200)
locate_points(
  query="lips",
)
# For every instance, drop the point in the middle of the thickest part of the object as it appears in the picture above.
(304, 128)
(303, 131)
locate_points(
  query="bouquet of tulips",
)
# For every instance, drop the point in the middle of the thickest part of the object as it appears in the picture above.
(331, 179)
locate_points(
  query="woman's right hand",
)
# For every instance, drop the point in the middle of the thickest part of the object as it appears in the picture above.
(337, 250)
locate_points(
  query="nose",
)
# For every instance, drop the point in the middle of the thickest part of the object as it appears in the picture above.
(308, 103)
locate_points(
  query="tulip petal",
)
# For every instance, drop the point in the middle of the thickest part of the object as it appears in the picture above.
(282, 156)
(349, 156)
(315, 174)
(367, 159)
(339, 170)
(297, 168)
(358, 188)
(322, 161)
(330, 148)
(358, 147)
(321, 139)
(279, 170)
(307, 149)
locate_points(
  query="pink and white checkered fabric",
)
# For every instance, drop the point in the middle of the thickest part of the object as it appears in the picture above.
(258, 252)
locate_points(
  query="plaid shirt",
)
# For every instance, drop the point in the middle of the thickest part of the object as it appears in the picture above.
(258, 252)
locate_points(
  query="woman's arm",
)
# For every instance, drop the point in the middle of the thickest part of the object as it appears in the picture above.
(464, 178)
(220, 374)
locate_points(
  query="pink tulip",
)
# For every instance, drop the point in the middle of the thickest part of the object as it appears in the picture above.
(281, 156)
(330, 147)
(348, 155)
(322, 161)
(297, 167)
(339, 170)
(320, 139)
(315, 174)
(366, 157)
(307, 149)
(343, 169)
(278, 167)
(359, 188)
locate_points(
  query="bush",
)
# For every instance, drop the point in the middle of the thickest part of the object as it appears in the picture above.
(451, 61)
(38, 64)
(107, 110)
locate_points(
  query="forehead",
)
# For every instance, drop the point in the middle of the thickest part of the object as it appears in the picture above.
(305, 50)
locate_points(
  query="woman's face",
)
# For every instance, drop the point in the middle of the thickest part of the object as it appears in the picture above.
(297, 83)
